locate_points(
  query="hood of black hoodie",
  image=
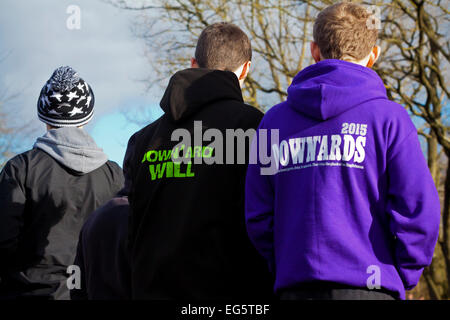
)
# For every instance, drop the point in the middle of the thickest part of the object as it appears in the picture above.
(191, 90)
(331, 87)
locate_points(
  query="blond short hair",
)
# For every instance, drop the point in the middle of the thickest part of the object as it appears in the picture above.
(343, 30)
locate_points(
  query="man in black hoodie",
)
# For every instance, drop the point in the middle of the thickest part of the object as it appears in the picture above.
(187, 230)
(47, 193)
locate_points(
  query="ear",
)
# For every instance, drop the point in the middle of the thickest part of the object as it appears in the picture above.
(49, 127)
(374, 55)
(194, 63)
(245, 71)
(315, 51)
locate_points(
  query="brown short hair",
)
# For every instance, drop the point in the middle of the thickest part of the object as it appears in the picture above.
(223, 46)
(342, 30)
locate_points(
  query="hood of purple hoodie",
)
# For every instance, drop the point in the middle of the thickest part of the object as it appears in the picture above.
(331, 87)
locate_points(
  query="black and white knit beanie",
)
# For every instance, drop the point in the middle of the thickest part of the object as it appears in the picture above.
(66, 100)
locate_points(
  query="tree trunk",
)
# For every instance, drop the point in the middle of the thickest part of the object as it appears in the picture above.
(446, 225)
(433, 157)
(433, 276)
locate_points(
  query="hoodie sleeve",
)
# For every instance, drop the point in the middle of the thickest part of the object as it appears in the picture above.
(259, 207)
(127, 162)
(12, 204)
(129, 169)
(413, 204)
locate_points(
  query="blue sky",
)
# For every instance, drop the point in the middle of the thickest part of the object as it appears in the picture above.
(34, 40)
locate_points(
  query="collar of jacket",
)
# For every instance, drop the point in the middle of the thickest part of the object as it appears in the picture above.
(192, 89)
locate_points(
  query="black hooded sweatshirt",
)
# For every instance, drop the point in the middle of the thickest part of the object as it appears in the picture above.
(187, 232)
(102, 254)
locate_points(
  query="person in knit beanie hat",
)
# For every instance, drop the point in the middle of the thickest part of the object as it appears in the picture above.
(48, 192)
(66, 100)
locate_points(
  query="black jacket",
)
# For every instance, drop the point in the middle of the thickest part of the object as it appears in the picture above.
(187, 230)
(102, 254)
(43, 205)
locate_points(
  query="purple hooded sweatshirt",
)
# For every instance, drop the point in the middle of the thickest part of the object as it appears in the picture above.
(351, 199)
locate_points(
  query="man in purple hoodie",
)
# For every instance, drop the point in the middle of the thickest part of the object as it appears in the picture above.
(344, 207)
